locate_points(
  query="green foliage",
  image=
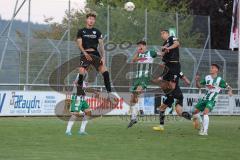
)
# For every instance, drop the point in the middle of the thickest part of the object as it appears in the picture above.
(55, 32)
(158, 5)
(130, 26)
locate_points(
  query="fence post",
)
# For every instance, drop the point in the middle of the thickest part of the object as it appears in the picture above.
(146, 23)
(238, 49)
(8, 35)
(108, 36)
(177, 24)
(28, 42)
(209, 41)
(68, 45)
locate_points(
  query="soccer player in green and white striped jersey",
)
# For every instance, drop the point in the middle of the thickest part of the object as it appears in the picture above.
(213, 84)
(78, 104)
(144, 59)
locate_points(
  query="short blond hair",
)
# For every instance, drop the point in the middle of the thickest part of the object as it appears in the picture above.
(91, 14)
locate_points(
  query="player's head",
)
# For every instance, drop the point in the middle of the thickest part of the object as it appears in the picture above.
(142, 46)
(91, 19)
(164, 34)
(214, 69)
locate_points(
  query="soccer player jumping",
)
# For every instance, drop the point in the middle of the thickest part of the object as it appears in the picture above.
(144, 59)
(170, 56)
(213, 84)
(88, 41)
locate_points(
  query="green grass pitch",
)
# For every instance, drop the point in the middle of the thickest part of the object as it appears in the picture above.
(43, 138)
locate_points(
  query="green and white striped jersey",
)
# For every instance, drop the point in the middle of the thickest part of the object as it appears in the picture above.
(213, 87)
(144, 64)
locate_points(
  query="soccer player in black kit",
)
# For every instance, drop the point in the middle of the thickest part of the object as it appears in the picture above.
(89, 39)
(170, 57)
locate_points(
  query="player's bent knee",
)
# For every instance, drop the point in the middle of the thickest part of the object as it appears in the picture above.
(88, 112)
(179, 109)
(172, 84)
(134, 98)
(139, 90)
(74, 115)
(196, 111)
(102, 68)
(82, 70)
(195, 116)
(206, 111)
(163, 107)
(168, 101)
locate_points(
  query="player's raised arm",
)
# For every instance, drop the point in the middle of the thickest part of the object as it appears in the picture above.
(185, 80)
(139, 50)
(160, 53)
(224, 84)
(176, 44)
(229, 90)
(135, 56)
(198, 82)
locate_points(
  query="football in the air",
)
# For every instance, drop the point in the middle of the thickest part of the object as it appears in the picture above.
(129, 6)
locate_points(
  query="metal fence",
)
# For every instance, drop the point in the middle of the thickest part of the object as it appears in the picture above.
(47, 55)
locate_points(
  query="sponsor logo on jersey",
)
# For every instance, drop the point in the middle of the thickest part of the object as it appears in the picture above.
(175, 77)
(90, 36)
(142, 59)
(209, 86)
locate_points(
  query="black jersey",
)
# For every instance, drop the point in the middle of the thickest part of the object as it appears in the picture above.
(89, 37)
(173, 54)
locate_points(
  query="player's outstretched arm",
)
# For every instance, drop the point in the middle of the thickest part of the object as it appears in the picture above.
(176, 44)
(224, 84)
(160, 54)
(197, 79)
(185, 80)
(229, 90)
(135, 57)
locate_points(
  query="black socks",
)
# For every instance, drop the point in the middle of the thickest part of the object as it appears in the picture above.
(161, 117)
(106, 79)
(80, 91)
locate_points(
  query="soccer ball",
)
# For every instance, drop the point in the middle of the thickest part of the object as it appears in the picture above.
(129, 6)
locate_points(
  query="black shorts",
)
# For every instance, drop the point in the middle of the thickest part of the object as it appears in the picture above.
(96, 60)
(172, 72)
(175, 94)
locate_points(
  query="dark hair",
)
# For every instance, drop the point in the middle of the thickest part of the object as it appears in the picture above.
(165, 30)
(215, 65)
(142, 42)
(91, 15)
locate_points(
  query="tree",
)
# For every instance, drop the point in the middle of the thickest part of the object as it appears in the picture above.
(220, 12)
(180, 6)
(130, 26)
(190, 27)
